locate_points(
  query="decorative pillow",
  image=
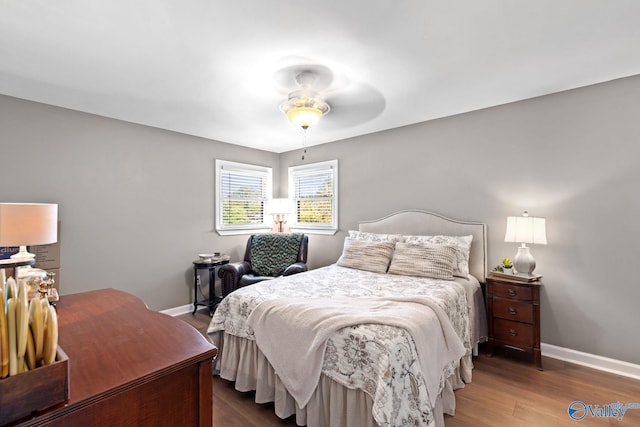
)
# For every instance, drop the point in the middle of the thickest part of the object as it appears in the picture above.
(375, 237)
(272, 253)
(423, 260)
(461, 244)
(364, 255)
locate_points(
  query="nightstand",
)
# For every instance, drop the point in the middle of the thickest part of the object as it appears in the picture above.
(210, 265)
(513, 310)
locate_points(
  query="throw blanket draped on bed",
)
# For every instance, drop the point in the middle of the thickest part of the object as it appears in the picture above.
(292, 334)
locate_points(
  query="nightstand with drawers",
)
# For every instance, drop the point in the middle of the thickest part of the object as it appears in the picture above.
(513, 310)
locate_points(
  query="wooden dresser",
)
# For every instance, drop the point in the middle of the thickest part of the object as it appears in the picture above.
(513, 308)
(129, 366)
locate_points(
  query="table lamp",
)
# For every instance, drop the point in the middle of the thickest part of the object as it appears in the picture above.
(280, 208)
(525, 229)
(26, 224)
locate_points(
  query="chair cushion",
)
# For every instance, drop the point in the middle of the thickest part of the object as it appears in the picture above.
(272, 253)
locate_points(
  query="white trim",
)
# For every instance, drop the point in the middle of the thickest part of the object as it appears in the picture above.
(327, 231)
(244, 231)
(177, 311)
(183, 309)
(594, 361)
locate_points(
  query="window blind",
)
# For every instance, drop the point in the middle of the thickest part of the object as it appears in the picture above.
(243, 197)
(313, 189)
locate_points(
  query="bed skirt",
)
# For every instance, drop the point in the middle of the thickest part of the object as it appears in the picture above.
(332, 404)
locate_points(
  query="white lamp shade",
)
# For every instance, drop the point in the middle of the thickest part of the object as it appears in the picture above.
(280, 206)
(23, 224)
(526, 229)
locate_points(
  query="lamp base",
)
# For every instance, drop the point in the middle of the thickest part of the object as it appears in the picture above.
(22, 254)
(278, 227)
(280, 223)
(523, 262)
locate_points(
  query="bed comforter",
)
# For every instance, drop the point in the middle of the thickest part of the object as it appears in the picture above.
(381, 360)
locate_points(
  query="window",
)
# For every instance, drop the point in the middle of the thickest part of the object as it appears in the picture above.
(241, 193)
(314, 190)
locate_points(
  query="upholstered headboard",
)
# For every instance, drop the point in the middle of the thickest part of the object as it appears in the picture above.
(423, 223)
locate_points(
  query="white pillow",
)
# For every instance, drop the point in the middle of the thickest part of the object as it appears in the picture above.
(423, 260)
(364, 255)
(462, 245)
(375, 237)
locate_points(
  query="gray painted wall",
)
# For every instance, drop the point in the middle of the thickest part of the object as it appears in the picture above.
(572, 157)
(136, 203)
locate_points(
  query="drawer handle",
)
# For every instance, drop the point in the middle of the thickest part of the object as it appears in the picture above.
(513, 332)
(512, 292)
(513, 311)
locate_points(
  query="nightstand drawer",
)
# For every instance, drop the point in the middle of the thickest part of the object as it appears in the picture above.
(504, 290)
(513, 333)
(513, 310)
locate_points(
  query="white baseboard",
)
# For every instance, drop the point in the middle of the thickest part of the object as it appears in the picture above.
(591, 360)
(177, 311)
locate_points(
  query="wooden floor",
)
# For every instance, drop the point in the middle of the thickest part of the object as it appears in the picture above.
(504, 392)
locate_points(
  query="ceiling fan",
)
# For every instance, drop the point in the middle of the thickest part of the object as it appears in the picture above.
(314, 91)
(305, 106)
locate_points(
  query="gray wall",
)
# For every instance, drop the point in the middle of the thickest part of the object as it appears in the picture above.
(572, 157)
(135, 203)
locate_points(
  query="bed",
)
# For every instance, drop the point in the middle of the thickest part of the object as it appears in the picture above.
(356, 346)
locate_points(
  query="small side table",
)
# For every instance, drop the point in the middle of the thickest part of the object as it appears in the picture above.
(211, 266)
(513, 309)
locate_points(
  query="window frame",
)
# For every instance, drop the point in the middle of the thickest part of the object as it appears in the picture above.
(266, 172)
(314, 169)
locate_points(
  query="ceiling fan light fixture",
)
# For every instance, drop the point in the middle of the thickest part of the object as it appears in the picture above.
(304, 110)
(304, 117)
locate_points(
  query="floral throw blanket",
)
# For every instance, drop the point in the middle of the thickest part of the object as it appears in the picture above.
(379, 359)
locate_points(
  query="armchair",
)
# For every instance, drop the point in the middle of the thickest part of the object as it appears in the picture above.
(267, 256)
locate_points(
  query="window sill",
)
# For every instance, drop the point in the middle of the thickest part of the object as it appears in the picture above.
(326, 231)
(242, 231)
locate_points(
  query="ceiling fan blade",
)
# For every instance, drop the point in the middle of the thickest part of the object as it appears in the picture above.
(358, 104)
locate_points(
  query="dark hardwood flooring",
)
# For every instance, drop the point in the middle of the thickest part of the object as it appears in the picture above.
(504, 392)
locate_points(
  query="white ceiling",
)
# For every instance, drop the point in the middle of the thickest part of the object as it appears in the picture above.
(213, 68)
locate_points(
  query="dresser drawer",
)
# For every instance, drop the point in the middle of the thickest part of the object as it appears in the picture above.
(513, 310)
(505, 290)
(513, 333)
